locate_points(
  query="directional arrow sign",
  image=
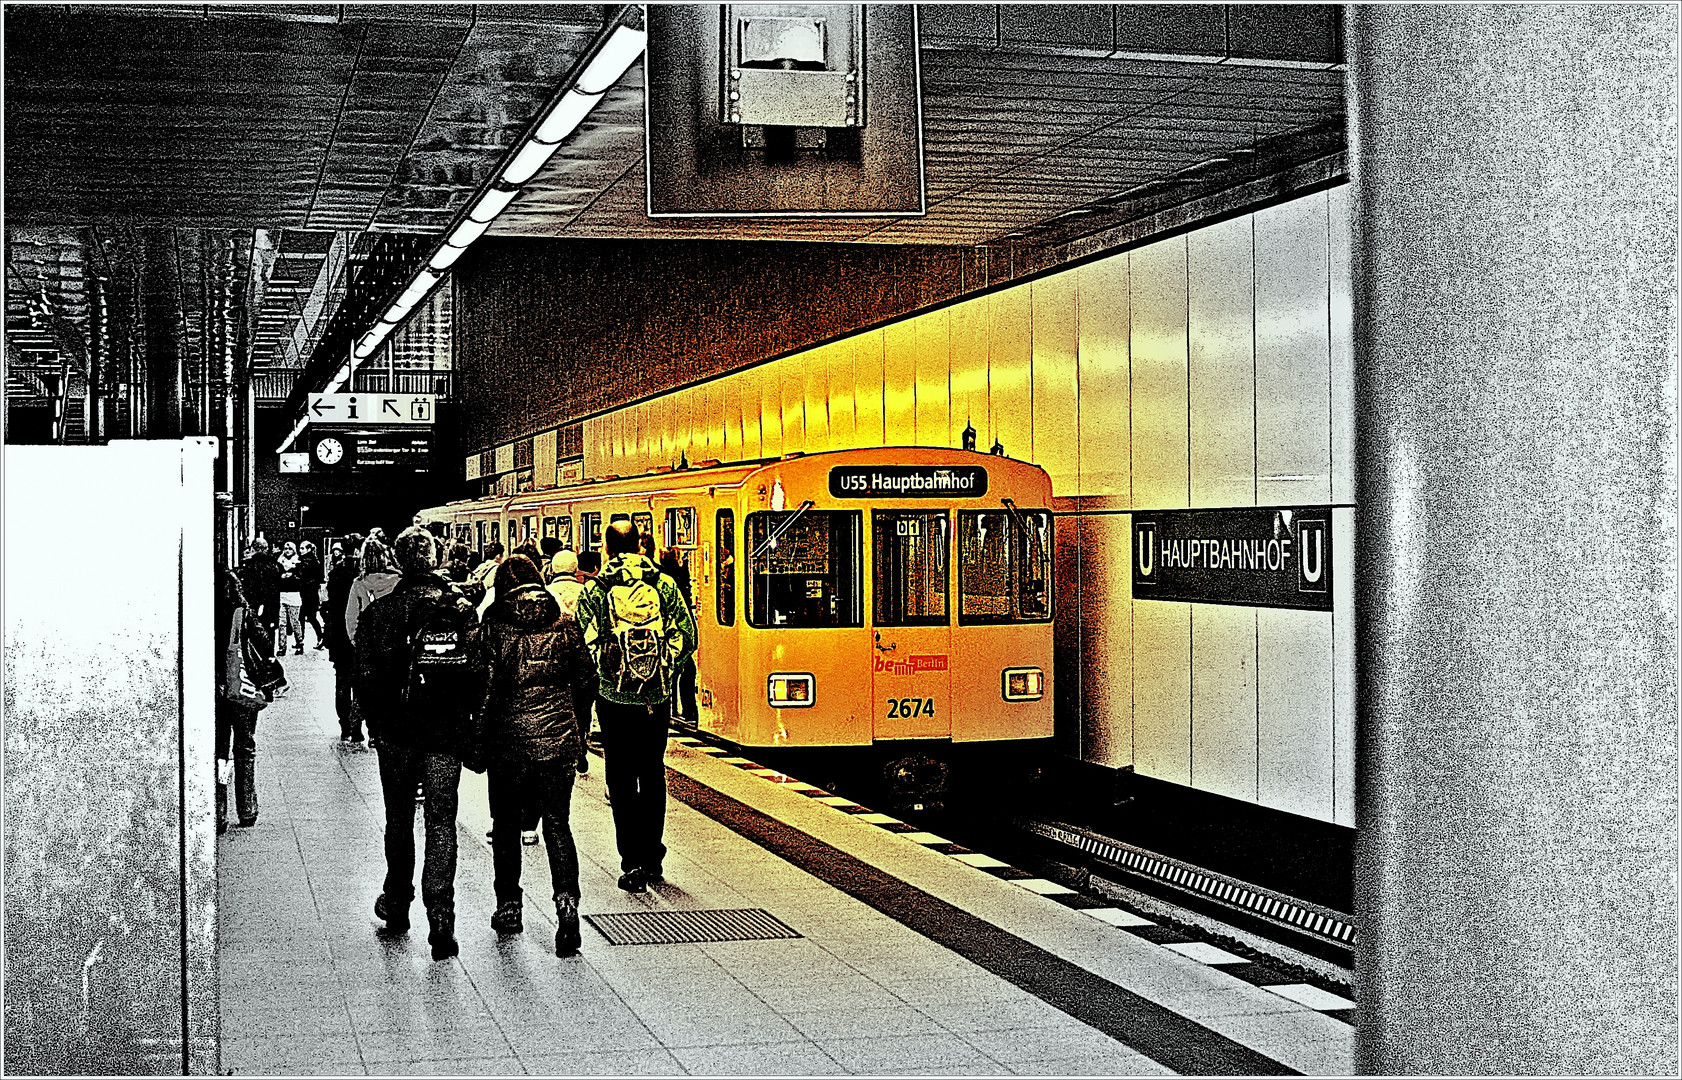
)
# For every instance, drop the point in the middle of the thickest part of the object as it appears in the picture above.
(373, 409)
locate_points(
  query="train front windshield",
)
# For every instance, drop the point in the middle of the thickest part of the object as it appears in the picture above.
(1004, 566)
(803, 569)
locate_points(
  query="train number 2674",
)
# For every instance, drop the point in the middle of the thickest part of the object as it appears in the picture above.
(910, 706)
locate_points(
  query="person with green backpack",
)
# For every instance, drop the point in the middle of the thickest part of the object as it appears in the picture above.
(640, 633)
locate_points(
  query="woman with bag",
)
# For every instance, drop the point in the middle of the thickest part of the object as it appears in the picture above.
(537, 674)
(238, 701)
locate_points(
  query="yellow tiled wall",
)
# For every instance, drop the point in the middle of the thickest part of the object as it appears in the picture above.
(1207, 369)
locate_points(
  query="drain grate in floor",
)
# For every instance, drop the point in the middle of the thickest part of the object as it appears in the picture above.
(690, 927)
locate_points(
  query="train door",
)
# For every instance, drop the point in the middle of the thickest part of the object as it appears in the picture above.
(911, 616)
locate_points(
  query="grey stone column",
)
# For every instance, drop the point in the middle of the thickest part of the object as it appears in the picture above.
(1515, 174)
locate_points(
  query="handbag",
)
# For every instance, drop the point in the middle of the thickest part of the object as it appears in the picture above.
(264, 672)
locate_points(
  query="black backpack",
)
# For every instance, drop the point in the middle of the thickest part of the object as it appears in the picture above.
(438, 656)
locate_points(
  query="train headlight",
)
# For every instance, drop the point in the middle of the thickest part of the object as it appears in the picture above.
(790, 690)
(1023, 684)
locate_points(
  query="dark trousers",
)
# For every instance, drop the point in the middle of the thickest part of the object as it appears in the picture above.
(343, 672)
(634, 743)
(312, 615)
(547, 786)
(438, 775)
(236, 738)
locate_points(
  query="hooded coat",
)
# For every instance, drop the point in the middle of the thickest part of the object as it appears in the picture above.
(538, 678)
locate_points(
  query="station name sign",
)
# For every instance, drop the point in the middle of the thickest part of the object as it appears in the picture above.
(1266, 557)
(907, 481)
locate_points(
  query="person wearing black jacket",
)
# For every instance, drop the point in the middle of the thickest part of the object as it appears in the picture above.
(538, 678)
(309, 582)
(340, 577)
(236, 706)
(418, 708)
(260, 577)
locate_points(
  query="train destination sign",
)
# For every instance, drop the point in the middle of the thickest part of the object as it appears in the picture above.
(907, 481)
(1263, 557)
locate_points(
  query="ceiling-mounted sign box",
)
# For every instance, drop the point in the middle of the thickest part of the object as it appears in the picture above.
(777, 110)
(367, 450)
(1261, 557)
(373, 409)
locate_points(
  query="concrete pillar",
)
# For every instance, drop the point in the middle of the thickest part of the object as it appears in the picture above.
(1515, 174)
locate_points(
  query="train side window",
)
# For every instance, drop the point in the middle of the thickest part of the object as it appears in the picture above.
(496, 532)
(1004, 566)
(643, 522)
(680, 527)
(911, 567)
(590, 529)
(529, 531)
(563, 531)
(727, 568)
(803, 569)
(548, 527)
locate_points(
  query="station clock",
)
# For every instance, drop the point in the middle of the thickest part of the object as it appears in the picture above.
(329, 450)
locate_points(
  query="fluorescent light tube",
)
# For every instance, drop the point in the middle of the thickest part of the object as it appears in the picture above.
(446, 255)
(467, 232)
(526, 163)
(569, 112)
(620, 52)
(491, 204)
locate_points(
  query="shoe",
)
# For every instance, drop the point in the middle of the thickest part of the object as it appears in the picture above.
(528, 837)
(442, 937)
(583, 764)
(320, 645)
(651, 875)
(633, 881)
(247, 822)
(567, 937)
(396, 921)
(509, 917)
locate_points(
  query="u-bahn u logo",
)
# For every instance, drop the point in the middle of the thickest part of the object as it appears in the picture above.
(1313, 556)
(1144, 553)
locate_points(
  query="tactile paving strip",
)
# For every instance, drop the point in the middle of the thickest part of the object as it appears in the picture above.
(690, 927)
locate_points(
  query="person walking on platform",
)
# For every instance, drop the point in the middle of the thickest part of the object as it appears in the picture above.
(310, 576)
(683, 702)
(341, 575)
(640, 633)
(260, 577)
(565, 586)
(537, 677)
(291, 599)
(417, 687)
(379, 576)
(487, 569)
(237, 704)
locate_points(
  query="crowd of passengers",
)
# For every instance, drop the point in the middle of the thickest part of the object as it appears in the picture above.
(495, 662)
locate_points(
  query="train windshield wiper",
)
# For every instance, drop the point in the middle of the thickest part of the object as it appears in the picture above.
(771, 541)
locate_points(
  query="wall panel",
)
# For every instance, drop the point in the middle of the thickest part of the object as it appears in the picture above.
(843, 417)
(1066, 657)
(899, 383)
(1294, 765)
(1219, 339)
(770, 391)
(1160, 459)
(1055, 424)
(1293, 362)
(867, 378)
(1343, 670)
(1223, 700)
(817, 399)
(1104, 379)
(1162, 690)
(1010, 370)
(1341, 312)
(934, 374)
(753, 404)
(1106, 640)
(969, 373)
(788, 377)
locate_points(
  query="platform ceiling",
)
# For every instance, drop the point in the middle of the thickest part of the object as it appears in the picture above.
(310, 119)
